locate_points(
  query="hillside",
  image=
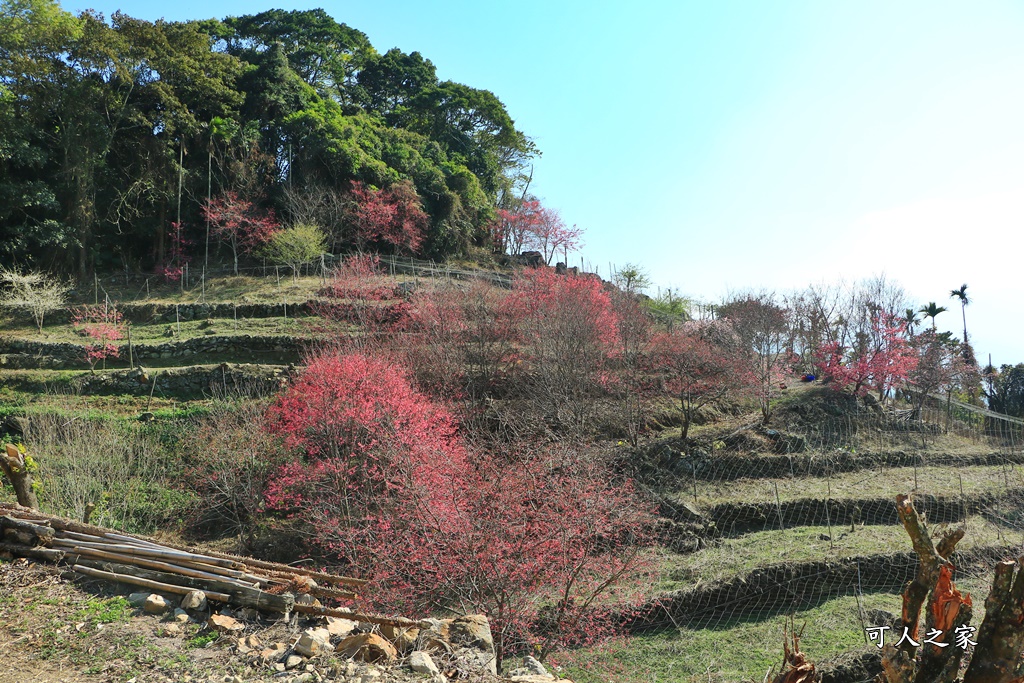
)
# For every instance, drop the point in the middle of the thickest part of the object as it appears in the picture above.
(510, 395)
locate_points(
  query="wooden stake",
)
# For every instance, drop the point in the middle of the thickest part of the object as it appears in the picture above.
(778, 505)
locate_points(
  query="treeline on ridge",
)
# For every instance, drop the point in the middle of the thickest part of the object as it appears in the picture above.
(114, 134)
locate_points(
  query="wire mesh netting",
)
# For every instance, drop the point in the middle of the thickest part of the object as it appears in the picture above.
(800, 521)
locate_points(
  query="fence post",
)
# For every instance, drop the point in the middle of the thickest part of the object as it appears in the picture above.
(778, 505)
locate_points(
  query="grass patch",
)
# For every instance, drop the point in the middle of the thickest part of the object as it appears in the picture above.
(733, 557)
(204, 639)
(165, 332)
(735, 650)
(104, 611)
(862, 484)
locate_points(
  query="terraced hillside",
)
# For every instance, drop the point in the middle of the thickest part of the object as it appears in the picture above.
(795, 523)
(763, 538)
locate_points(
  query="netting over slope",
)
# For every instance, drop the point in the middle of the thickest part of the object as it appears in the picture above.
(801, 520)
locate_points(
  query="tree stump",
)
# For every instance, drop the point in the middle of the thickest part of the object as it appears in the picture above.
(16, 466)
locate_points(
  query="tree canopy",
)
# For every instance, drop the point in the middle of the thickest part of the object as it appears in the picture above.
(110, 130)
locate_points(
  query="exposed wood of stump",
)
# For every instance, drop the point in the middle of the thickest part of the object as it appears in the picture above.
(796, 668)
(939, 660)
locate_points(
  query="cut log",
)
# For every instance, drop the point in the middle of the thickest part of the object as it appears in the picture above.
(272, 568)
(368, 618)
(21, 529)
(138, 551)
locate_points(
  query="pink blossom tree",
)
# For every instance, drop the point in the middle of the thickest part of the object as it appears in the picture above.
(103, 325)
(240, 223)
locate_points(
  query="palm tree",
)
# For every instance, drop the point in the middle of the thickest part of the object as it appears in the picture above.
(932, 310)
(911, 321)
(964, 300)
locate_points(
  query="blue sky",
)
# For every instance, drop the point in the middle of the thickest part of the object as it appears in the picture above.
(770, 145)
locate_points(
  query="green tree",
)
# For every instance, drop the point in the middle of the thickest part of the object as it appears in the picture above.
(295, 246)
(325, 54)
(932, 310)
(1006, 390)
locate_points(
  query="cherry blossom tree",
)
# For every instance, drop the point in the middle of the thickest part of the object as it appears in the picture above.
(103, 325)
(875, 362)
(569, 330)
(240, 223)
(701, 362)
(390, 216)
(532, 226)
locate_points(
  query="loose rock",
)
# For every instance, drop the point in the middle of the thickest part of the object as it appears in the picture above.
(422, 663)
(155, 604)
(313, 641)
(367, 647)
(224, 624)
(195, 600)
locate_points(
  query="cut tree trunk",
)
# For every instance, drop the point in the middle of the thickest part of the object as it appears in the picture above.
(997, 657)
(14, 465)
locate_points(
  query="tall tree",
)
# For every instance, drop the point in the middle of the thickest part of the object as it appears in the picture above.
(322, 52)
(932, 310)
(961, 294)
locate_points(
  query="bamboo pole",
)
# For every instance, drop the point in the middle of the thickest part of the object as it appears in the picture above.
(125, 549)
(273, 569)
(147, 583)
(156, 564)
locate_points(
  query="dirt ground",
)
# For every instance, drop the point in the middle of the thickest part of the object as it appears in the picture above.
(55, 629)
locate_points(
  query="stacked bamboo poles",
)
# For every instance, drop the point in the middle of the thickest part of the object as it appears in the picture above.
(104, 554)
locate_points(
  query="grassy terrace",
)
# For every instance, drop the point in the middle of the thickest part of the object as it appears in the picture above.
(241, 289)
(733, 650)
(63, 401)
(157, 333)
(729, 648)
(733, 557)
(884, 483)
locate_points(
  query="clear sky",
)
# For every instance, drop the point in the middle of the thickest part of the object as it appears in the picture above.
(731, 145)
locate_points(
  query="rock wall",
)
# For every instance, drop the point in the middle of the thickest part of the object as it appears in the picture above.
(189, 382)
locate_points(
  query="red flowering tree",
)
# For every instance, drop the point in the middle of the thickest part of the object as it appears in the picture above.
(241, 224)
(878, 361)
(359, 294)
(390, 216)
(532, 226)
(103, 325)
(383, 483)
(701, 362)
(543, 537)
(569, 330)
(373, 447)
(173, 268)
(461, 341)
